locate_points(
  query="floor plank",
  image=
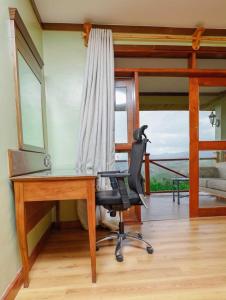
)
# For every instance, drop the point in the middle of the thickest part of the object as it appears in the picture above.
(189, 262)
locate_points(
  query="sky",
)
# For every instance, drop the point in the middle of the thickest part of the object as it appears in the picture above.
(169, 130)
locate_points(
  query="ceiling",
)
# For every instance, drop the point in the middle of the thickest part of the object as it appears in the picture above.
(158, 93)
(167, 84)
(168, 13)
(157, 13)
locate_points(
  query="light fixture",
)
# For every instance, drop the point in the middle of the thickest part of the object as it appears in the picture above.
(213, 119)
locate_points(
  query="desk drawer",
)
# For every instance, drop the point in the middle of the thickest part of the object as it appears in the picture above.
(55, 190)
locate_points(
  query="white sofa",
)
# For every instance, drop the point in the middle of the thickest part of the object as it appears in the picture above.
(213, 179)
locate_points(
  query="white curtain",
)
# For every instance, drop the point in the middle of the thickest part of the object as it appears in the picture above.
(96, 142)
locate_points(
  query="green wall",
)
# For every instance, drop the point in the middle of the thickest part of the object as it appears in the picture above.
(9, 253)
(64, 56)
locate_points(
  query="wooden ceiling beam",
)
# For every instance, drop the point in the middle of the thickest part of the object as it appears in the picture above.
(134, 29)
(179, 94)
(152, 51)
(62, 26)
(164, 51)
(196, 38)
(170, 72)
(168, 107)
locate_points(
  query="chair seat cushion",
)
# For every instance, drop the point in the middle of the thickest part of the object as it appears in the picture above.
(108, 197)
(114, 198)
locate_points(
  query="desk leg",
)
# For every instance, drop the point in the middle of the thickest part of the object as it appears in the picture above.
(21, 230)
(91, 212)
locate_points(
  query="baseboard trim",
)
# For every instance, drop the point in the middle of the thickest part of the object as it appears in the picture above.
(14, 287)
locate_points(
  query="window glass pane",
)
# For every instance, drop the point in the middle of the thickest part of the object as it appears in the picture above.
(212, 113)
(120, 98)
(121, 161)
(121, 119)
(206, 131)
(31, 105)
(168, 132)
(121, 135)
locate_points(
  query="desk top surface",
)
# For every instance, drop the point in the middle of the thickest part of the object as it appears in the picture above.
(56, 174)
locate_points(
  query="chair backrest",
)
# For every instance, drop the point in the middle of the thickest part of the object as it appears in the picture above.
(135, 180)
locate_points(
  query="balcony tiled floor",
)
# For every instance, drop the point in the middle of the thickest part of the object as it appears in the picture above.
(162, 206)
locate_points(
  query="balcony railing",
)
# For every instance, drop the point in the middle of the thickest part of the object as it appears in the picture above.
(158, 162)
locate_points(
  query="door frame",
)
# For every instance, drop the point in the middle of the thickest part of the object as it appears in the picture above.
(133, 215)
(196, 77)
(196, 146)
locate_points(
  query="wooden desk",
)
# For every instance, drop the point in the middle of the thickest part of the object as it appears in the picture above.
(51, 186)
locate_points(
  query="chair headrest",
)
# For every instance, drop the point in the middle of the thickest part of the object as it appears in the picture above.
(139, 132)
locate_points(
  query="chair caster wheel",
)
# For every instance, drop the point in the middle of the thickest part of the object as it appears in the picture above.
(150, 250)
(97, 248)
(119, 258)
(140, 236)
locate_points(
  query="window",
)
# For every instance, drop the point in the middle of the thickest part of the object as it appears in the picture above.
(124, 114)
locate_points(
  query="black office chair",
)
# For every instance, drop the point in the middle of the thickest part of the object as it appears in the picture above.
(123, 195)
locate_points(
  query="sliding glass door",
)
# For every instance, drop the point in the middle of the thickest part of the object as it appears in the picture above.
(207, 146)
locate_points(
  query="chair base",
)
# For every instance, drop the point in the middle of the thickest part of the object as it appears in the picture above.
(121, 236)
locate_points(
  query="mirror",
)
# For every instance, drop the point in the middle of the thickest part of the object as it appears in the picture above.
(29, 88)
(30, 94)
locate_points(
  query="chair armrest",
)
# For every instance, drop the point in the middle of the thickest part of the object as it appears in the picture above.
(117, 180)
(113, 180)
(108, 172)
(115, 175)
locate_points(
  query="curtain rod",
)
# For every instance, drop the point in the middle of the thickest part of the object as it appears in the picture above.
(196, 39)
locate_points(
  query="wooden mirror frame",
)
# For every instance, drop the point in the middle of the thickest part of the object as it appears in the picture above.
(22, 43)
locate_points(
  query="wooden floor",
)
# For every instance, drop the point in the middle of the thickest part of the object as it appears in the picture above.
(189, 263)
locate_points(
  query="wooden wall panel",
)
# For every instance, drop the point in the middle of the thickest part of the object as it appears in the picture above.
(212, 145)
(171, 72)
(212, 81)
(212, 211)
